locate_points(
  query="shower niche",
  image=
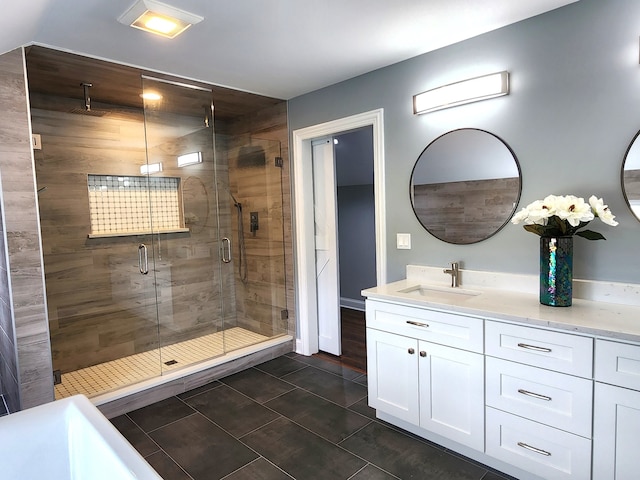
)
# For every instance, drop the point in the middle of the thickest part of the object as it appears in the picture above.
(121, 205)
(145, 196)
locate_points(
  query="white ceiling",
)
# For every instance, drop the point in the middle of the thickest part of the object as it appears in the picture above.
(278, 48)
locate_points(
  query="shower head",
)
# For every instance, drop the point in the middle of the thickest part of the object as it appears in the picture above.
(87, 103)
(251, 156)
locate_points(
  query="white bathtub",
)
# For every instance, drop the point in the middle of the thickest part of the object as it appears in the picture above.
(67, 439)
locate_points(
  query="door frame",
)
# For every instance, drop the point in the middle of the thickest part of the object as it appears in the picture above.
(304, 253)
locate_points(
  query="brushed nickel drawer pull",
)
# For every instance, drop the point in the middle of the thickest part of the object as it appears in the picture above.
(534, 395)
(411, 351)
(417, 324)
(533, 347)
(534, 449)
(423, 353)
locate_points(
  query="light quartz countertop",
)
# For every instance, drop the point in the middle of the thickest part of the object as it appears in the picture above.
(592, 317)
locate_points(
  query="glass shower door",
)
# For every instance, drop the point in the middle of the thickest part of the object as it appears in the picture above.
(185, 230)
(95, 228)
(251, 212)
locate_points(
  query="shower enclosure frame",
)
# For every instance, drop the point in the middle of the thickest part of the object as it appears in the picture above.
(281, 342)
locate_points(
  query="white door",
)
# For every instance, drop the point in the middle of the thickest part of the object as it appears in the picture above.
(326, 245)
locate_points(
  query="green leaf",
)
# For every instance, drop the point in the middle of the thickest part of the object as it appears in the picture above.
(537, 229)
(590, 235)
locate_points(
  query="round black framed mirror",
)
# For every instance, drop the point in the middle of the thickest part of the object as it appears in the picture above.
(631, 176)
(465, 186)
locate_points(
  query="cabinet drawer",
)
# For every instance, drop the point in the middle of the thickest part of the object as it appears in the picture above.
(557, 351)
(457, 331)
(618, 364)
(536, 448)
(555, 399)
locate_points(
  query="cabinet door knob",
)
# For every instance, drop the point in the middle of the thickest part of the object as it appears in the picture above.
(411, 351)
(423, 353)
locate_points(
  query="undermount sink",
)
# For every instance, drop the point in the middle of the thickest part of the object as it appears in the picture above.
(439, 293)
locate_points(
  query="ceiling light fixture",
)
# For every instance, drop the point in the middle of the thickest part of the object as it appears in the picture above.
(159, 18)
(467, 91)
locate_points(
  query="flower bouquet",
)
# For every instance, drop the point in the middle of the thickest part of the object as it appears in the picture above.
(556, 219)
(564, 216)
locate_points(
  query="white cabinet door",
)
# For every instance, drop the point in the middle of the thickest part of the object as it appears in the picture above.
(616, 427)
(392, 374)
(452, 393)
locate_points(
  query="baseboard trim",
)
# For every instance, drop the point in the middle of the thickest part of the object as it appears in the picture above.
(352, 303)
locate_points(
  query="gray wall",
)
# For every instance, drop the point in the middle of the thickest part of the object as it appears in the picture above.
(571, 114)
(355, 199)
(356, 240)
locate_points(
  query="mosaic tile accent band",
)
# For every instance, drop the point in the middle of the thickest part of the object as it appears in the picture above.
(123, 204)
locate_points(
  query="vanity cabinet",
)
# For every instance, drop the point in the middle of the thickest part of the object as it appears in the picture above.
(554, 391)
(617, 411)
(539, 411)
(418, 371)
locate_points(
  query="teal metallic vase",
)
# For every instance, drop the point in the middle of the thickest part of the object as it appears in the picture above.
(556, 271)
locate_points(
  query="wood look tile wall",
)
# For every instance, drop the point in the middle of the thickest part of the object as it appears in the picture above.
(24, 338)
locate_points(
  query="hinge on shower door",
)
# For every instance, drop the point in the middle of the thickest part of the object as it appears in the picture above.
(57, 377)
(284, 314)
(279, 162)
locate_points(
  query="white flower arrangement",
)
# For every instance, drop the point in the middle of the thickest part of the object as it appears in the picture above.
(562, 216)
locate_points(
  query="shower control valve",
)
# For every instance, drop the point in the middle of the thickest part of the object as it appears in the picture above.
(253, 222)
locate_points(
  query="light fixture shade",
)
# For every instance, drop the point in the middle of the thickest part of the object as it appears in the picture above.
(150, 168)
(189, 159)
(467, 91)
(159, 18)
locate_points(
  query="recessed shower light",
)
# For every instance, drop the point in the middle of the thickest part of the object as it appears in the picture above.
(151, 96)
(159, 18)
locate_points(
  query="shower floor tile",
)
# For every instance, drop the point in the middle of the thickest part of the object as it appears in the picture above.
(125, 371)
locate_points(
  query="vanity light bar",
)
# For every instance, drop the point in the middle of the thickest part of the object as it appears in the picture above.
(459, 93)
(189, 159)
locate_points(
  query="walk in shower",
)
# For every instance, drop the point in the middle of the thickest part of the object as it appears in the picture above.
(163, 241)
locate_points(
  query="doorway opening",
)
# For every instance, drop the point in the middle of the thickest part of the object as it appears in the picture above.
(307, 315)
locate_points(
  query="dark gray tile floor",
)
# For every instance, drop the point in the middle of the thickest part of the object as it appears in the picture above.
(293, 417)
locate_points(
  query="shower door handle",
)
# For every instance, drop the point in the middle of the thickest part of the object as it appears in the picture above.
(226, 250)
(143, 259)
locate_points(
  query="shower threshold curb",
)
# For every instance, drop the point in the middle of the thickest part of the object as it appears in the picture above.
(173, 375)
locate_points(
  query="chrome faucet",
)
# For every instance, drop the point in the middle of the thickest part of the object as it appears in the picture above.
(454, 271)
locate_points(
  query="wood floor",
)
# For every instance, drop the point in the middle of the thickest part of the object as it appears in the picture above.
(354, 346)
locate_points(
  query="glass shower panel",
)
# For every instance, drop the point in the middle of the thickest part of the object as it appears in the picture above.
(186, 240)
(251, 212)
(101, 306)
